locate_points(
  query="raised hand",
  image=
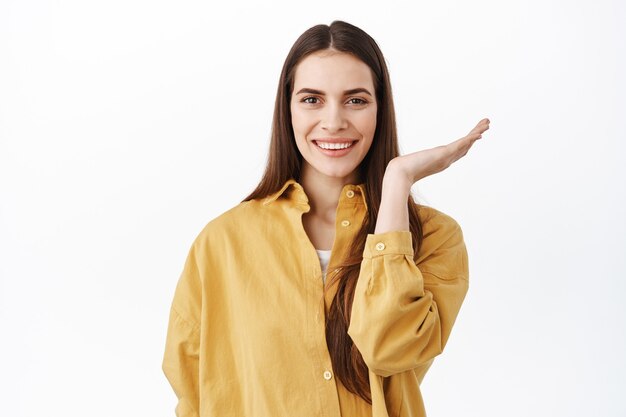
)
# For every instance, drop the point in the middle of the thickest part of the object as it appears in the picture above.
(420, 164)
(402, 172)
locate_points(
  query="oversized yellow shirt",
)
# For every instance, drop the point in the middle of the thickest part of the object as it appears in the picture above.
(246, 335)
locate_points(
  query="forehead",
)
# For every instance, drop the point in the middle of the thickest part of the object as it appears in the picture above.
(332, 71)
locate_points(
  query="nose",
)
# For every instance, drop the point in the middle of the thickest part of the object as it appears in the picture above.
(333, 118)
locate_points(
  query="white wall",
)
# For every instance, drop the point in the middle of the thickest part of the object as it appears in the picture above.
(125, 126)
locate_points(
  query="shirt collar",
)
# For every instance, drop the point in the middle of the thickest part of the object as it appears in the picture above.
(293, 190)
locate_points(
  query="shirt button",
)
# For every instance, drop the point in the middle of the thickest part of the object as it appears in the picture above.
(350, 193)
(380, 246)
(327, 375)
(345, 223)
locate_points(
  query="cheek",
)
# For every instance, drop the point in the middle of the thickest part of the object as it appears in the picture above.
(300, 130)
(368, 129)
(298, 120)
(367, 123)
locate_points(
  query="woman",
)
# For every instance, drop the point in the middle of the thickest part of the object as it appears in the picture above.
(259, 325)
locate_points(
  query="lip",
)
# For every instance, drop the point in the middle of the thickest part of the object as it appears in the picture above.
(337, 152)
(334, 140)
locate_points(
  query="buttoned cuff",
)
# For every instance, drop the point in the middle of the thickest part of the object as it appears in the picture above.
(395, 242)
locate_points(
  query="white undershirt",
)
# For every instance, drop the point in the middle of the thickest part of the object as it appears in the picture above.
(324, 256)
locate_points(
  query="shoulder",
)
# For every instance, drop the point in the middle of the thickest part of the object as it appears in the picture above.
(229, 224)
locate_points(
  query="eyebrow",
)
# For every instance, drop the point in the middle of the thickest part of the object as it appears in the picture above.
(347, 92)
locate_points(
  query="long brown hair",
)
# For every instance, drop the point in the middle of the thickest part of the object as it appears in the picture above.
(285, 162)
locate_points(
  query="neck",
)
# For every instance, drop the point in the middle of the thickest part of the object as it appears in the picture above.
(324, 191)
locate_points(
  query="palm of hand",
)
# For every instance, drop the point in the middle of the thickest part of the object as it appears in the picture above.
(420, 164)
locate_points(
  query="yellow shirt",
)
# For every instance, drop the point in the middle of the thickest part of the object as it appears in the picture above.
(246, 334)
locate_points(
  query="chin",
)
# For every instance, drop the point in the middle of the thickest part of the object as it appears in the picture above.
(336, 173)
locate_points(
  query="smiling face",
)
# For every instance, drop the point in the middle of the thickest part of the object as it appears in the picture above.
(333, 105)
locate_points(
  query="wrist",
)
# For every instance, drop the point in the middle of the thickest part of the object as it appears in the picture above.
(397, 179)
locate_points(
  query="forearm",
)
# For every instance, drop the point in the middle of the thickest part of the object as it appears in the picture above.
(394, 213)
(403, 311)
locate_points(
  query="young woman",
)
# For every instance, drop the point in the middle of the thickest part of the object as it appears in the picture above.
(328, 290)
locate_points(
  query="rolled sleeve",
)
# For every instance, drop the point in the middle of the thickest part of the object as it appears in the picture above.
(397, 242)
(398, 322)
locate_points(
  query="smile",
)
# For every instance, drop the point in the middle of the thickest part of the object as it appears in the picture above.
(334, 146)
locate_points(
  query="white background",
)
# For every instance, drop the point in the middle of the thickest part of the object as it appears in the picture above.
(125, 126)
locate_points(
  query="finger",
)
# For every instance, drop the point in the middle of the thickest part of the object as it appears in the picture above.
(480, 128)
(459, 147)
(469, 139)
(483, 122)
(463, 149)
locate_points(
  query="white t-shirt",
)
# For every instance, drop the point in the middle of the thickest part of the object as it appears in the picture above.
(324, 256)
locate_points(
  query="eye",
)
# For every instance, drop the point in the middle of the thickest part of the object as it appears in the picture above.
(304, 100)
(360, 101)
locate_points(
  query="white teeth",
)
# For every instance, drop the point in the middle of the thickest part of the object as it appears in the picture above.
(333, 145)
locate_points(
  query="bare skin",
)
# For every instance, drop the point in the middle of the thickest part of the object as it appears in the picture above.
(326, 104)
(319, 222)
(402, 172)
(330, 112)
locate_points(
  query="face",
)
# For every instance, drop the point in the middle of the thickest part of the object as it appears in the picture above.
(333, 105)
